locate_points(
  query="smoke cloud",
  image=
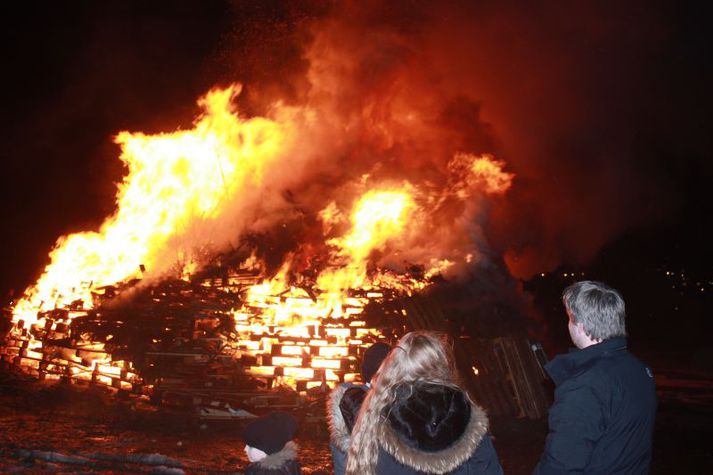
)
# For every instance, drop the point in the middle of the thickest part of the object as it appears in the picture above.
(557, 91)
(562, 93)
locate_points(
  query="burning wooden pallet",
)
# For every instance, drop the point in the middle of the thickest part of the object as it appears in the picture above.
(184, 345)
(202, 346)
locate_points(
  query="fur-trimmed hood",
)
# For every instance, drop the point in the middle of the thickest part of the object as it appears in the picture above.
(278, 459)
(339, 432)
(432, 428)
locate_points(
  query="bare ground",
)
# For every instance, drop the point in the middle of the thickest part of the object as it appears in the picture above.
(60, 429)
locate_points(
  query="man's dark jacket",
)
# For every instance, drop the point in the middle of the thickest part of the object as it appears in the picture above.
(602, 420)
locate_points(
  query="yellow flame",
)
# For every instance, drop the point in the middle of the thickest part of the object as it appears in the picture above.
(489, 173)
(173, 179)
(378, 216)
(478, 174)
(178, 179)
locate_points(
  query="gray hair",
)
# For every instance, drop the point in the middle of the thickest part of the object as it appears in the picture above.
(598, 307)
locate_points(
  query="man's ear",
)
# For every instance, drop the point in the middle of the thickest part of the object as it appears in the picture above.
(580, 328)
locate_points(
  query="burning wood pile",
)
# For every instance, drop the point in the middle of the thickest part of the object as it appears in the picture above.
(144, 307)
(185, 344)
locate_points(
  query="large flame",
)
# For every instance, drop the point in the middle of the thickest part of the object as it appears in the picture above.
(374, 228)
(378, 216)
(176, 180)
(173, 179)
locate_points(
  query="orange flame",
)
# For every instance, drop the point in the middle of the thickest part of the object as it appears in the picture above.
(489, 172)
(479, 173)
(173, 179)
(378, 216)
(184, 180)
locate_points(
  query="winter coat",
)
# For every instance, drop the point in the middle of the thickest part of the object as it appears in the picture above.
(342, 410)
(435, 429)
(602, 419)
(283, 462)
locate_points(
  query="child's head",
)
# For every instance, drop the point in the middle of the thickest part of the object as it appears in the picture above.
(372, 359)
(268, 434)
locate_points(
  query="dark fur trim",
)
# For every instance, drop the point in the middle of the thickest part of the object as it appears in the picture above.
(278, 459)
(350, 406)
(442, 461)
(339, 434)
(429, 417)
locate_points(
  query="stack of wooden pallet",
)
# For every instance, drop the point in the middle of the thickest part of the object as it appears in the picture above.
(183, 344)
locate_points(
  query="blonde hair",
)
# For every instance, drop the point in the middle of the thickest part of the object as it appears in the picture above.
(419, 356)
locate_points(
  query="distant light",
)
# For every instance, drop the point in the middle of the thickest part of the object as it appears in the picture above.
(565, 274)
(475, 370)
(542, 274)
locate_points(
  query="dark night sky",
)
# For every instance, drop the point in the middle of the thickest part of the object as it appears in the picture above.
(75, 73)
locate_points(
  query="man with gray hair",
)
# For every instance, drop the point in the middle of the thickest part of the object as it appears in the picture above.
(602, 419)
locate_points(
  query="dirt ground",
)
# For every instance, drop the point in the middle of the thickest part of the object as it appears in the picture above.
(58, 429)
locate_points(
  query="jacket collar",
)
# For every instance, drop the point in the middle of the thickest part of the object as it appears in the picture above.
(278, 459)
(445, 460)
(338, 432)
(565, 366)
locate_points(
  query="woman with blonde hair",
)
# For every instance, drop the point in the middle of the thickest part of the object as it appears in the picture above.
(417, 419)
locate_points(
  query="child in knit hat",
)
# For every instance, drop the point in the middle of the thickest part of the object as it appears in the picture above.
(269, 445)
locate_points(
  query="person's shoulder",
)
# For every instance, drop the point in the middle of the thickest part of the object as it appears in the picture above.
(595, 377)
(634, 372)
(604, 375)
(341, 415)
(358, 392)
(340, 390)
(634, 360)
(622, 365)
(350, 404)
(347, 394)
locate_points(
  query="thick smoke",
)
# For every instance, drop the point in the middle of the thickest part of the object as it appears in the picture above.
(558, 91)
(382, 92)
(365, 110)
